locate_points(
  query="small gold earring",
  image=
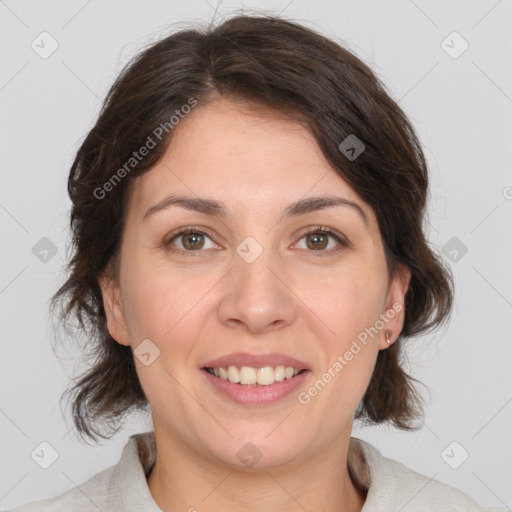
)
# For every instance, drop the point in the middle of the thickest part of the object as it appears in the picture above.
(387, 337)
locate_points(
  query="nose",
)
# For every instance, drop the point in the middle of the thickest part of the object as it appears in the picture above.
(257, 297)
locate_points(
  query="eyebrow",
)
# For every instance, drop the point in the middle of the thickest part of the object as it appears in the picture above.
(212, 207)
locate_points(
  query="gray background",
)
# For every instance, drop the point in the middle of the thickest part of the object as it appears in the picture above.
(461, 108)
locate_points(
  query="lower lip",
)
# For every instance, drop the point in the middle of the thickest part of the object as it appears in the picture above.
(256, 394)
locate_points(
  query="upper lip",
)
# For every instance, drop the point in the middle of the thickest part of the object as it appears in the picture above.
(240, 359)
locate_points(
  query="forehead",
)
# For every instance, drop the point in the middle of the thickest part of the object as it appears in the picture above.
(252, 160)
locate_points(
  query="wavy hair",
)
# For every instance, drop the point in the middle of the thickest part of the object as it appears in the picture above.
(263, 60)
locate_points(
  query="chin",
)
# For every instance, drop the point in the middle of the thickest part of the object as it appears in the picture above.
(256, 452)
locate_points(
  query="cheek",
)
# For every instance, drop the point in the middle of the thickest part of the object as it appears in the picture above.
(168, 308)
(351, 351)
(144, 302)
(165, 317)
(348, 303)
(154, 310)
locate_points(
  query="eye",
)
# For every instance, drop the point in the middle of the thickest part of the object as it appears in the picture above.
(191, 240)
(317, 239)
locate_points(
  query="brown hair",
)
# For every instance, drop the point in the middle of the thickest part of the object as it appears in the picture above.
(277, 63)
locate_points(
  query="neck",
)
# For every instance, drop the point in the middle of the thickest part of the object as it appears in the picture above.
(182, 479)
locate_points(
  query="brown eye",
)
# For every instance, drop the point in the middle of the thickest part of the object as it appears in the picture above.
(317, 241)
(193, 240)
(189, 240)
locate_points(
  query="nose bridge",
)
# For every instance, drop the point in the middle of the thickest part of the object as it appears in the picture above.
(258, 296)
(252, 271)
(253, 265)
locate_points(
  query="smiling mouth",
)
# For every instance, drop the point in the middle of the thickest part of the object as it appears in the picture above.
(249, 376)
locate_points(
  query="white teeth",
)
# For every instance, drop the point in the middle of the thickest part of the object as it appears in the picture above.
(233, 374)
(265, 376)
(249, 376)
(280, 373)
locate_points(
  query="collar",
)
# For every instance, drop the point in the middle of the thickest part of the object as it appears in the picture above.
(139, 456)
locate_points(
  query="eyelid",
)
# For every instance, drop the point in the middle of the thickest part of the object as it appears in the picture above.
(343, 242)
(342, 239)
(185, 230)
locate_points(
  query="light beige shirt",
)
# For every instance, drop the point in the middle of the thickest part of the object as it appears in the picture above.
(390, 486)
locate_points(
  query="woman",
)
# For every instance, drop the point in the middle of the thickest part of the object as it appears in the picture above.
(249, 261)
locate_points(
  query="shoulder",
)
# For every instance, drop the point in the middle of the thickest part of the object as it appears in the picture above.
(92, 495)
(122, 486)
(393, 486)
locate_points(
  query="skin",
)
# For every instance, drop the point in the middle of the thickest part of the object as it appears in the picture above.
(209, 302)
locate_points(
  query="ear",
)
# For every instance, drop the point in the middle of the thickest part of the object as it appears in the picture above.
(114, 309)
(394, 310)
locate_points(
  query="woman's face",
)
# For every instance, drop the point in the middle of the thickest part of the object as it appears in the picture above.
(249, 281)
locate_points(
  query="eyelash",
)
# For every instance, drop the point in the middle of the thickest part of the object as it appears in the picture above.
(313, 230)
